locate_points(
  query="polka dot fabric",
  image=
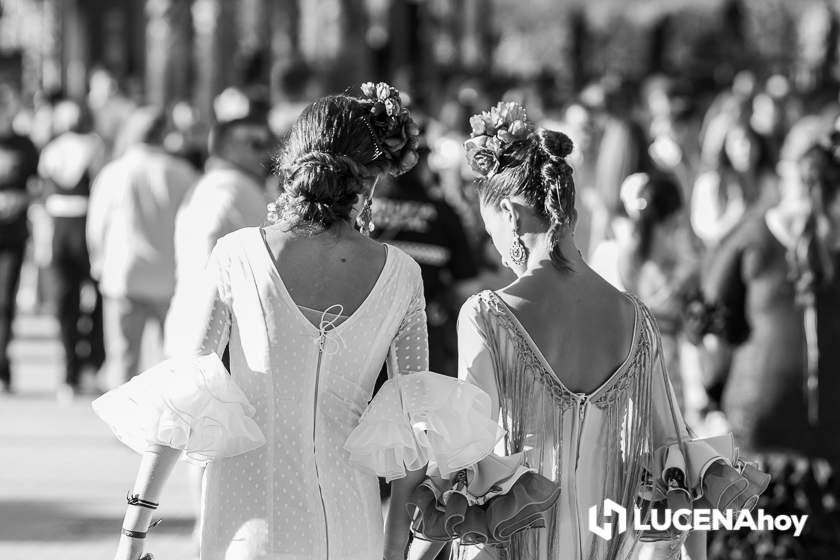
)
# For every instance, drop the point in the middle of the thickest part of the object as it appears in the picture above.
(298, 497)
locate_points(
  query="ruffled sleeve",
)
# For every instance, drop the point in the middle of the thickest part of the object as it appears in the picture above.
(423, 418)
(709, 472)
(200, 318)
(191, 404)
(410, 347)
(684, 471)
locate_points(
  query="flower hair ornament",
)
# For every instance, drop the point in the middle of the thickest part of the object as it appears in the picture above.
(492, 132)
(394, 132)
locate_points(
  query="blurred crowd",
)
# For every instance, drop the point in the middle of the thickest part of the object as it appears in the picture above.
(719, 211)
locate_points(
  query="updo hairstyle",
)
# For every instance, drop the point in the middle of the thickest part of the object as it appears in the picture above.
(535, 169)
(334, 151)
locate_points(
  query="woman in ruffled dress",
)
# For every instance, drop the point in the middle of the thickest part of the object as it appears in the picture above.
(572, 365)
(308, 309)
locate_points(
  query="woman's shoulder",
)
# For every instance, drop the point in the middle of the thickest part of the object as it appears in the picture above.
(405, 264)
(236, 242)
(481, 307)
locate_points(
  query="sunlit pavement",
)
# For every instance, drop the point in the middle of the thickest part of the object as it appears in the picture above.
(63, 477)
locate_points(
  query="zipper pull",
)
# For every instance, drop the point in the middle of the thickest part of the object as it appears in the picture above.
(583, 400)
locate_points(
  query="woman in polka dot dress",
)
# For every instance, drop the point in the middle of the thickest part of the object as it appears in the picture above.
(308, 310)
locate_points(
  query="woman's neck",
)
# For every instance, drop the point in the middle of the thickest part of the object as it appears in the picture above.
(539, 257)
(331, 235)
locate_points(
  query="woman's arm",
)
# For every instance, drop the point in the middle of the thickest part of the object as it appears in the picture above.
(398, 523)
(204, 328)
(476, 364)
(410, 349)
(155, 467)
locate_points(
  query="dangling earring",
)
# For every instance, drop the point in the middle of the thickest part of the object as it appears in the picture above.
(518, 252)
(365, 219)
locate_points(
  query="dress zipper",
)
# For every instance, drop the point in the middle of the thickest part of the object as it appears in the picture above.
(322, 339)
(582, 402)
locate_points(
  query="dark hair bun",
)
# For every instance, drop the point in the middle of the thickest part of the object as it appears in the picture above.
(321, 187)
(339, 166)
(554, 144)
(332, 154)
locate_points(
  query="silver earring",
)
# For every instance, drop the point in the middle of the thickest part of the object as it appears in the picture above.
(518, 252)
(365, 219)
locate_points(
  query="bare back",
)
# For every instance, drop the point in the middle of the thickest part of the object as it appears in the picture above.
(338, 267)
(583, 326)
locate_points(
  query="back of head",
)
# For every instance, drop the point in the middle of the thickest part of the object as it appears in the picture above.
(221, 132)
(513, 159)
(335, 150)
(146, 125)
(648, 200)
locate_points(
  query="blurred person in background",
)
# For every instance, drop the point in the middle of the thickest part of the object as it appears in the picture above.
(18, 165)
(67, 167)
(130, 235)
(445, 137)
(188, 136)
(111, 109)
(42, 130)
(742, 177)
(652, 257)
(769, 113)
(773, 303)
(724, 110)
(622, 151)
(673, 129)
(231, 195)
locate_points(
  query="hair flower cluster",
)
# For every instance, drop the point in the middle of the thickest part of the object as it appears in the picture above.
(492, 131)
(391, 125)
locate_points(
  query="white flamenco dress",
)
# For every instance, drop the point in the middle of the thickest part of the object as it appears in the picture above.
(285, 479)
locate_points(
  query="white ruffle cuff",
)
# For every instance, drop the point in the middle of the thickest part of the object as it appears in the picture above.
(191, 404)
(423, 418)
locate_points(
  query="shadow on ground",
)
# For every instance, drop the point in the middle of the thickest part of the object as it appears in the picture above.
(43, 521)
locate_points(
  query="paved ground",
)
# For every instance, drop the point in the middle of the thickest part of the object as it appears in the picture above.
(63, 478)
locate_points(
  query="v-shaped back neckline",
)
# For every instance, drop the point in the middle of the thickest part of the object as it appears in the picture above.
(274, 272)
(538, 354)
